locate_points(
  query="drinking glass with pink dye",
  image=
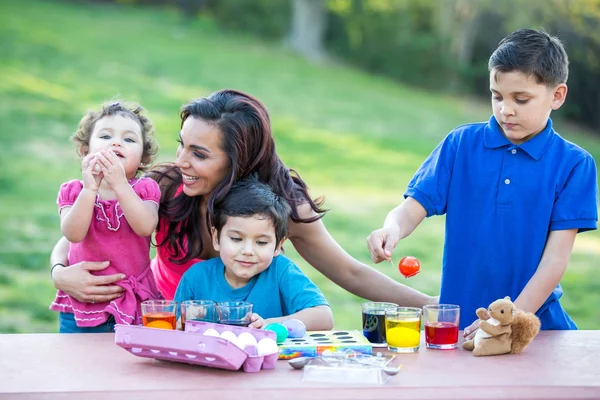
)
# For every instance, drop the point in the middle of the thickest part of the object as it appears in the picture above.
(441, 326)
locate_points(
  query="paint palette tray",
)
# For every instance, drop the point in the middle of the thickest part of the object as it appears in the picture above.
(193, 347)
(315, 343)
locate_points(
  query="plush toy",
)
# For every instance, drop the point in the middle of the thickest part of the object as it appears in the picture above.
(503, 329)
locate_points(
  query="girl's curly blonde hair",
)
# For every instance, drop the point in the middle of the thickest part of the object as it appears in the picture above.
(81, 138)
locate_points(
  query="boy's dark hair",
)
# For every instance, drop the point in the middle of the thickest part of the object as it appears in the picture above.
(249, 197)
(532, 52)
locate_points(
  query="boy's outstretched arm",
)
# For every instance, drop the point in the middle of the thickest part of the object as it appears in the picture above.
(549, 271)
(319, 318)
(399, 223)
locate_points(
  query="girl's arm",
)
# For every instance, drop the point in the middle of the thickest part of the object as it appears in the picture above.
(549, 272)
(314, 243)
(75, 220)
(77, 281)
(319, 318)
(141, 215)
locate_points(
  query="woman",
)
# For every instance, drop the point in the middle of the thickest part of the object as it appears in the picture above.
(225, 137)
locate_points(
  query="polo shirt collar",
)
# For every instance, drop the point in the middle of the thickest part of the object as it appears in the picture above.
(535, 147)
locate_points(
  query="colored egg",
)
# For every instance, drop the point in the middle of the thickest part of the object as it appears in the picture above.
(280, 330)
(295, 327)
(402, 337)
(159, 324)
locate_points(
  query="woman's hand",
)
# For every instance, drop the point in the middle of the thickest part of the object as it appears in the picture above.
(78, 282)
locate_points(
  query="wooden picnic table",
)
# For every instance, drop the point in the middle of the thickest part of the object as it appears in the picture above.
(557, 365)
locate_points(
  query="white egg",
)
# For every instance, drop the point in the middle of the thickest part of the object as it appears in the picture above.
(211, 332)
(229, 336)
(266, 346)
(245, 339)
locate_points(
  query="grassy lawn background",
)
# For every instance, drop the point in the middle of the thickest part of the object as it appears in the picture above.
(355, 138)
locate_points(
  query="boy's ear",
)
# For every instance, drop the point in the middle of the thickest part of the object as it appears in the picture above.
(559, 95)
(215, 238)
(278, 248)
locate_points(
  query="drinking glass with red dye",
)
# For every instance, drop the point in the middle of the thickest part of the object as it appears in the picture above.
(441, 326)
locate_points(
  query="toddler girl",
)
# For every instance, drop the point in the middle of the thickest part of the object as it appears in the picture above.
(110, 215)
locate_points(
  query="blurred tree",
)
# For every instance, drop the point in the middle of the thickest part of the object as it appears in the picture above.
(309, 21)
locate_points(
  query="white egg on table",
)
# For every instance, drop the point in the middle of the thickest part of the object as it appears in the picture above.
(267, 346)
(246, 339)
(211, 332)
(229, 336)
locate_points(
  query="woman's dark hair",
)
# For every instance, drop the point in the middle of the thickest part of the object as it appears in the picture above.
(250, 198)
(250, 147)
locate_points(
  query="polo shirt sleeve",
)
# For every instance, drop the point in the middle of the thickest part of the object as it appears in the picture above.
(576, 204)
(297, 291)
(430, 184)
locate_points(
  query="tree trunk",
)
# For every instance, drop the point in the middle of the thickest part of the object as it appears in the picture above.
(309, 21)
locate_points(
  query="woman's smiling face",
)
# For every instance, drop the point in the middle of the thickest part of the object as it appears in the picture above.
(200, 157)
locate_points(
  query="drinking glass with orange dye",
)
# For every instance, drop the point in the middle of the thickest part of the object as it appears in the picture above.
(441, 326)
(403, 329)
(159, 314)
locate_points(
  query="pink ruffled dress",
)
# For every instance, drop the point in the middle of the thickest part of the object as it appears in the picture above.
(110, 238)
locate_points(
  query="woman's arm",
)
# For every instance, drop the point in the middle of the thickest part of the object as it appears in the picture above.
(78, 282)
(314, 243)
(319, 318)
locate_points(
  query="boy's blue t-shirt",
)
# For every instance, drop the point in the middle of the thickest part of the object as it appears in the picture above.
(282, 289)
(501, 201)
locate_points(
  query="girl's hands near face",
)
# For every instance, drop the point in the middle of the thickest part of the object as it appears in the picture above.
(256, 321)
(112, 169)
(91, 177)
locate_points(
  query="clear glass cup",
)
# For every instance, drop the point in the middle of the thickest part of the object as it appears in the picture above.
(441, 326)
(198, 310)
(403, 329)
(373, 322)
(234, 312)
(159, 314)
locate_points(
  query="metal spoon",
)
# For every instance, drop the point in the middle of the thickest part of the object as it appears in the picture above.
(391, 371)
(300, 362)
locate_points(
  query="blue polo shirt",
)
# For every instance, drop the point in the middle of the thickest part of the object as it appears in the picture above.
(281, 289)
(501, 200)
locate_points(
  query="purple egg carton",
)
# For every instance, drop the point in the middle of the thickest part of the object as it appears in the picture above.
(193, 347)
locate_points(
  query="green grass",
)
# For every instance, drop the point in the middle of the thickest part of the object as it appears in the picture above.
(355, 138)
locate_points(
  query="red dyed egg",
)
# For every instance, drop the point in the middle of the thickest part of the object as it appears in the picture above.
(409, 266)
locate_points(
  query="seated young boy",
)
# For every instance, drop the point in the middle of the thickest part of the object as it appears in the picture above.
(514, 192)
(249, 228)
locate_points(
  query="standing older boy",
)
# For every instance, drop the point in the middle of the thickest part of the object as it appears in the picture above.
(514, 192)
